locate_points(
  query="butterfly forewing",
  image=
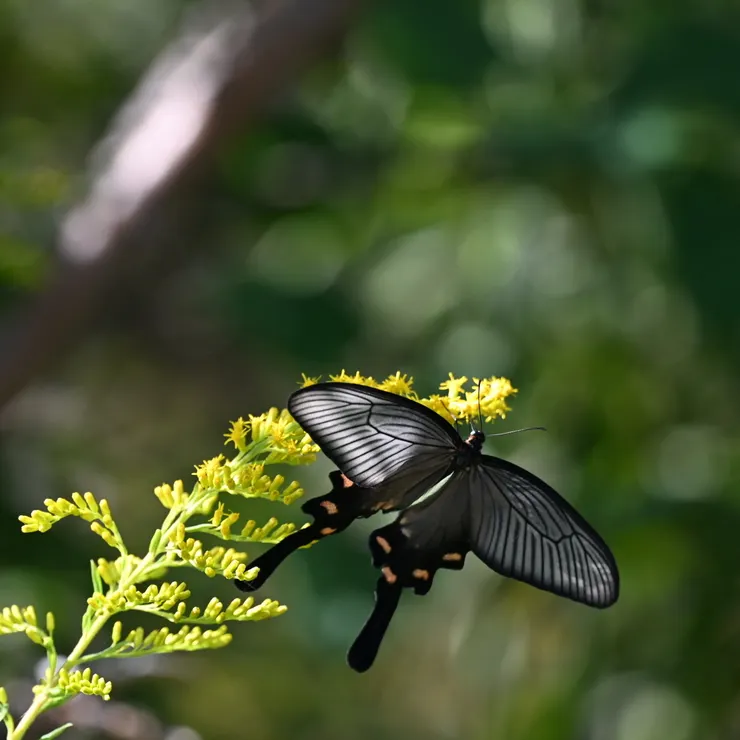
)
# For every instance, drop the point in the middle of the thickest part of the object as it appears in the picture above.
(373, 436)
(523, 529)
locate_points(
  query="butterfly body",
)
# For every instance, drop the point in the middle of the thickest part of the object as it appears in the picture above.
(472, 450)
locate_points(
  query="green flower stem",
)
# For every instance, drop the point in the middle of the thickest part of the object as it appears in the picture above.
(84, 642)
(256, 450)
(37, 707)
(208, 528)
(43, 698)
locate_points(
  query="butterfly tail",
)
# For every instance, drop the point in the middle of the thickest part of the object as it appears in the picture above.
(364, 649)
(269, 561)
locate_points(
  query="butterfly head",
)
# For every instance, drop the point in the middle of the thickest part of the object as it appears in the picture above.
(476, 439)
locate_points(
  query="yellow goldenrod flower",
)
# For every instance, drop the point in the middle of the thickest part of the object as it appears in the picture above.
(459, 404)
(238, 434)
(83, 682)
(343, 377)
(439, 405)
(17, 619)
(400, 384)
(453, 386)
(210, 473)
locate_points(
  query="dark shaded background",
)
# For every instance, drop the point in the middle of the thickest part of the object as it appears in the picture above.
(547, 191)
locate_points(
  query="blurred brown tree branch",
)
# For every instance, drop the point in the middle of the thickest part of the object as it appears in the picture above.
(217, 77)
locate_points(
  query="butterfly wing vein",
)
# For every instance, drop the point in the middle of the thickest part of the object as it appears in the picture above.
(371, 435)
(523, 529)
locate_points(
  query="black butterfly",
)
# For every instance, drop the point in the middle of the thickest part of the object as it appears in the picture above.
(391, 451)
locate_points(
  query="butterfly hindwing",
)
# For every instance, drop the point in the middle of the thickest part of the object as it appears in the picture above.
(408, 552)
(522, 528)
(332, 513)
(425, 537)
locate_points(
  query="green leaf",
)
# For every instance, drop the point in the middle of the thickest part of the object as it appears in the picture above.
(56, 733)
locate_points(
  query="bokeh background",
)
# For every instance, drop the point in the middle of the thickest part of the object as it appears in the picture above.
(548, 191)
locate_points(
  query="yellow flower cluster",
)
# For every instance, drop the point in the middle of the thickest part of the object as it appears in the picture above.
(172, 496)
(250, 480)
(487, 395)
(487, 398)
(237, 611)
(14, 619)
(163, 641)
(213, 473)
(278, 433)
(111, 570)
(160, 597)
(399, 383)
(83, 682)
(228, 563)
(85, 507)
(246, 479)
(237, 435)
(222, 523)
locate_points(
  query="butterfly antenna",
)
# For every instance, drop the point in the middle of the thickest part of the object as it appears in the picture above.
(452, 416)
(480, 414)
(516, 431)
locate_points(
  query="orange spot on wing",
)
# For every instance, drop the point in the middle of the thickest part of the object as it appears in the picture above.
(389, 575)
(383, 542)
(421, 573)
(454, 556)
(347, 482)
(327, 531)
(330, 506)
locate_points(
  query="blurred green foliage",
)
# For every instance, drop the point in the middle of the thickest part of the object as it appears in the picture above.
(547, 191)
